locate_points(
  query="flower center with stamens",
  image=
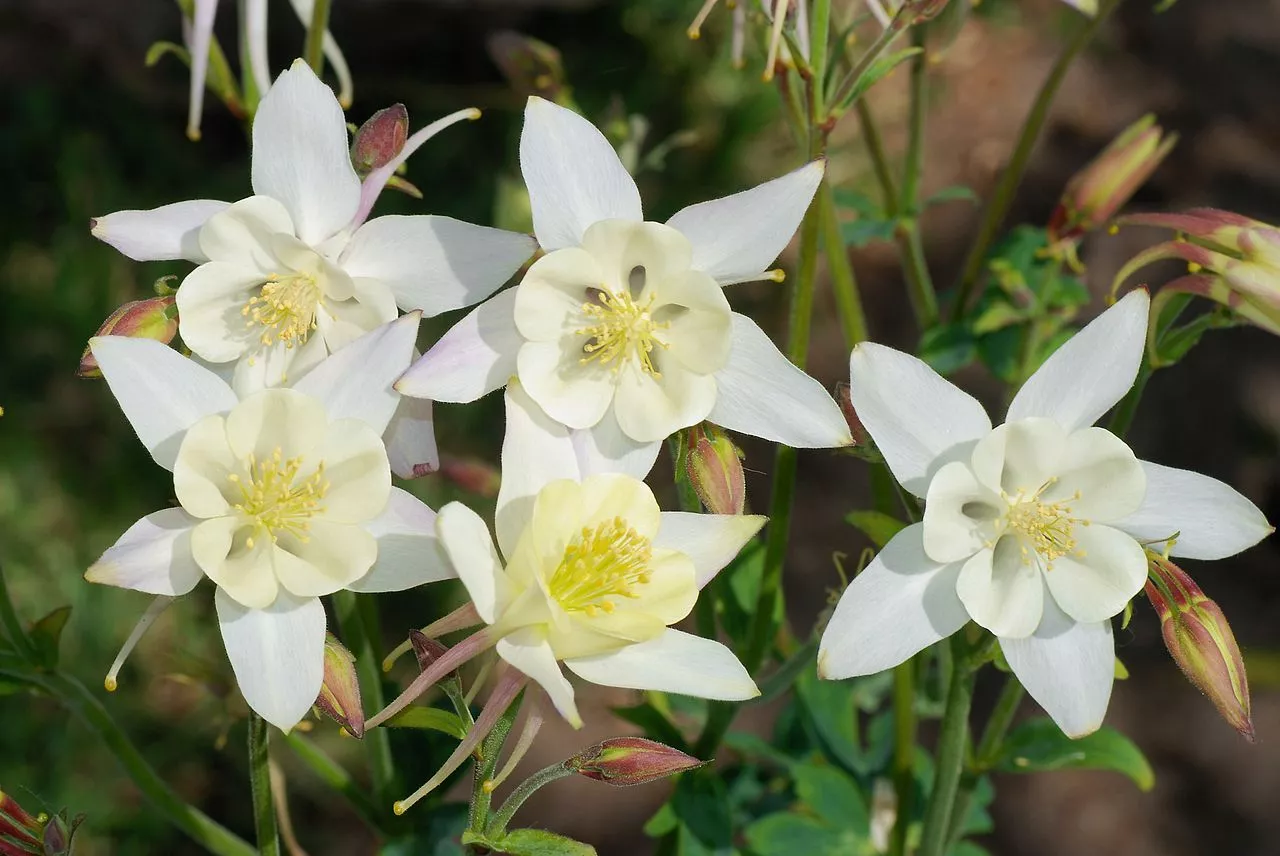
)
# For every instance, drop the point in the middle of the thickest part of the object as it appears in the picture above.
(276, 499)
(604, 562)
(619, 329)
(1046, 528)
(284, 309)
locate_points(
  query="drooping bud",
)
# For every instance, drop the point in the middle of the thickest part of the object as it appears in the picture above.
(530, 66)
(153, 318)
(1198, 636)
(339, 697)
(1094, 195)
(626, 761)
(380, 139)
(713, 465)
(21, 834)
(472, 475)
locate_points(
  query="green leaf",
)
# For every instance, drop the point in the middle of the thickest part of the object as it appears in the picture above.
(863, 231)
(968, 848)
(701, 806)
(1039, 745)
(535, 842)
(751, 746)
(663, 821)
(948, 348)
(875, 73)
(430, 718)
(654, 723)
(999, 351)
(438, 834)
(829, 707)
(876, 525)
(998, 315)
(786, 834)
(46, 633)
(833, 796)
(863, 204)
(954, 193)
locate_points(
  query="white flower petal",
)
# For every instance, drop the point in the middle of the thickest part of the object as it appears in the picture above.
(356, 472)
(959, 514)
(674, 662)
(528, 651)
(1094, 583)
(1098, 476)
(244, 573)
(476, 356)
(901, 603)
(1085, 377)
(411, 439)
(603, 448)
(535, 450)
(247, 233)
(300, 154)
(277, 654)
(328, 559)
(1067, 667)
(209, 303)
(762, 393)
(710, 540)
(571, 392)
(357, 382)
(737, 237)
(161, 392)
(915, 416)
(466, 541)
(409, 552)
(273, 365)
(1211, 518)
(153, 556)
(161, 234)
(1001, 591)
(573, 175)
(649, 408)
(435, 263)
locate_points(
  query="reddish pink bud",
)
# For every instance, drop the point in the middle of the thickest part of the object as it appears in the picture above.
(625, 761)
(713, 465)
(339, 697)
(24, 835)
(472, 475)
(1198, 636)
(380, 139)
(153, 318)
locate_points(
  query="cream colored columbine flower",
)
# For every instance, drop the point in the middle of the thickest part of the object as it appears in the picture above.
(622, 331)
(284, 496)
(588, 572)
(1036, 529)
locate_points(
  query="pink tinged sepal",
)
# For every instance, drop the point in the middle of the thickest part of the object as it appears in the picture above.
(1200, 640)
(153, 318)
(22, 834)
(713, 465)
(626, 761)
(339, 697)
(380, 139)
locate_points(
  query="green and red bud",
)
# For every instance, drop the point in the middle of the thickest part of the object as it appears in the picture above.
(153, 318)
(21, 834)
(339, 697)
(380, 139)
(713, 465)
(472, 475)
(1198, 636)
(626, 761)
(1094, 195)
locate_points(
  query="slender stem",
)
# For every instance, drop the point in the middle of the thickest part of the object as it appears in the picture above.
(332, 774)
(872, 53)
(313, 49)
(11, 624)
(200, 827)
(985, 755)
(1122, 419)
(904, 751)
(924, 301)
(264, 810)
(950, 755)
(1011, 178)
(487, 763)
(879, 158)
(819, 43)
(358, 622)
(498, 825)
(843, 282)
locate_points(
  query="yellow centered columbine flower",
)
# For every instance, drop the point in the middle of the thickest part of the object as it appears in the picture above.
(284, 496)
(622, 331)
(1034, 529)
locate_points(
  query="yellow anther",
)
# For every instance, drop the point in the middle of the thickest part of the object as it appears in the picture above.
(284, 309)
(1047, 529)
(603, 563)
(277, 499)
(619, 329)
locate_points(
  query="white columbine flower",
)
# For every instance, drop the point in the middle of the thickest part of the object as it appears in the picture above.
(1036, 529)
(294, 272)
(591, 574)
(284, 496)
(622, 331)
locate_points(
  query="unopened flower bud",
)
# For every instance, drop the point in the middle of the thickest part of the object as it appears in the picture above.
(919, 11)
(472, 475)
(1198, 636)
(21, 834)
(530, 66)
(713, 465)
(153, 318)
(625, 761)
(1097, 192)
(380, 139)
(339, 697)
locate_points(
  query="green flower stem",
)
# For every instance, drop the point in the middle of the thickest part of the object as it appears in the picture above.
(843, 282)
(313, 49)
(879, 158)
(487, 765)
(358, 622)
(864, 63)
(819, 45)
(952, 741)
(498, 825)
(202, 829)
(264, 809)
(986, 754)
(1011, 178)
(904, 752)
(248, 83)
(924, 301)
(332, 774)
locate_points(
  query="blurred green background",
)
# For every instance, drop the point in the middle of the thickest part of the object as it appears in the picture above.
(85, 129)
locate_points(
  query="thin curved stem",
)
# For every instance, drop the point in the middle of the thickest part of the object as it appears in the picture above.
(313, 48)
(264, 810)
(986, 754)
(950, 755)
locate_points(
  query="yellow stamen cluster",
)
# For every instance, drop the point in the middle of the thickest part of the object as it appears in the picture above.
(610, 560)
(275, 501)
(1047, 528)
(620, 329)
(284, 308)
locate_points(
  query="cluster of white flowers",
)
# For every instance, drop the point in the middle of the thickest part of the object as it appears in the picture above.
(299, 402)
